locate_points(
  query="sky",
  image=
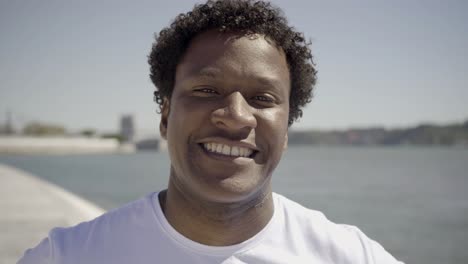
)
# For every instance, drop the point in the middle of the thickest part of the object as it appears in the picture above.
(83, 64)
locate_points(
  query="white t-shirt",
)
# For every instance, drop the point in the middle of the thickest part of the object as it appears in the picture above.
(140, 233)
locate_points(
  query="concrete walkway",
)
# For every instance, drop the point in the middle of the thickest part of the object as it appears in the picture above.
(30, 207)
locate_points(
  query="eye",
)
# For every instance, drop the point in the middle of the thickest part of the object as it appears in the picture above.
(205, 91)
(263, 98)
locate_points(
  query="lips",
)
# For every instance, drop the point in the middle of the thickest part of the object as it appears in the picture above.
(228, 150)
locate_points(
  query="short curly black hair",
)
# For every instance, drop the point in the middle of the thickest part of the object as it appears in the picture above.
(234, 16)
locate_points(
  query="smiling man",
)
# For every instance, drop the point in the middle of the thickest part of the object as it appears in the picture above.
(231, 77)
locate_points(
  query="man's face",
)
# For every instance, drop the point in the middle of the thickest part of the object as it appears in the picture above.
(227, 120)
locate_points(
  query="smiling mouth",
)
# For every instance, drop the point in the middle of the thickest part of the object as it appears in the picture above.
(226, 150)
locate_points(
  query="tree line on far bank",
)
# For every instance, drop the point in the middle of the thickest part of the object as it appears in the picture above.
(425, 134)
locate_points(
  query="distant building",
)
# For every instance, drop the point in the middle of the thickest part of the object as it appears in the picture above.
(127, 128)
(7, 128)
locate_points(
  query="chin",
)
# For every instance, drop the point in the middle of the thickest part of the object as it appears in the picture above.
(233, 189)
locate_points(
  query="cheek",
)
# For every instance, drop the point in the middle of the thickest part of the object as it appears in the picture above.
(271, 133)
(177, 126)
(185, 119)
(276, 119)
(178, 136)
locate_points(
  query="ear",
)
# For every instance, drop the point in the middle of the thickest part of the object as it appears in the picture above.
(285, 146)
(164, 117)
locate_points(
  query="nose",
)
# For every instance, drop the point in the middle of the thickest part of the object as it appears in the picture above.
(236, 114)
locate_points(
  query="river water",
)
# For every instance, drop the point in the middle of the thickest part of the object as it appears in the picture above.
(414, 201)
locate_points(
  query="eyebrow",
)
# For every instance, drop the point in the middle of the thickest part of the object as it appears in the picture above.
(210, 72)
(214, 73)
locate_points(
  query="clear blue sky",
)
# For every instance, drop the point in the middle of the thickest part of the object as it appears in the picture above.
(83, 63)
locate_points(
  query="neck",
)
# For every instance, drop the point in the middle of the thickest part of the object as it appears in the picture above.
(216, 224)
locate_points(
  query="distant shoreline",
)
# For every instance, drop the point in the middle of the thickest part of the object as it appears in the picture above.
(423, 135)
(61, 145)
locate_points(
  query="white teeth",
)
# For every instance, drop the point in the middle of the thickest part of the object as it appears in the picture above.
(228, 150)
(235, 151)
(242, 152)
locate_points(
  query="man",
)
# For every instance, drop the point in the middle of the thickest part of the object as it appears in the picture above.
(231, 76)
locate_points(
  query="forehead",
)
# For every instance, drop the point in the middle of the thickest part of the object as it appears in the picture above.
(214, 53)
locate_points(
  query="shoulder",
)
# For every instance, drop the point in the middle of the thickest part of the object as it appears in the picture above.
(335, 243)
(41, 254)
(117, 225)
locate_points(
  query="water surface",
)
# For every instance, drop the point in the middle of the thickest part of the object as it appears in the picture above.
(414, 201)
